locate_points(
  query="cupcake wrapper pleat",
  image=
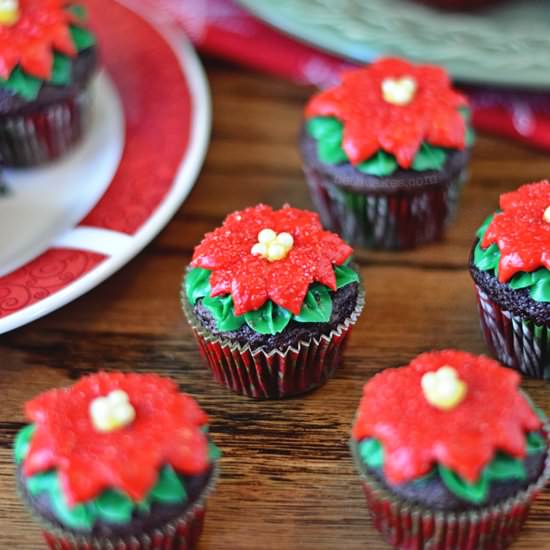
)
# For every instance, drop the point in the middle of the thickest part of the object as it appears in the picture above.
(408, 526)
(43, 134)
(518, 343)
(273, 374)
(389, 221)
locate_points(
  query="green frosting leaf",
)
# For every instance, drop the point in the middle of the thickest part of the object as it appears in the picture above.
(381, 164)
(371, 453)
(324, 128)
(522, 280)
(169, 488)
(78, 11)
(78, 517)
(197, 284)
(504, 467)
(41, 482)
(221, 308)
(214, 453)
(470, 137)
(481, 231)
(22, 442)
(535, 443)
(472, 492)
(317, 306)
(62, 70)
(82, 38)
(22, 84)
(114, 506)
(429, 157)
(538, 282)
(541, 289)
(269, 319)
(488, 258)
(328, 132)
(345, 275)
(331, 152)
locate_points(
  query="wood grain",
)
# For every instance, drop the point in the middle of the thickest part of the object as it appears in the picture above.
(287, 478)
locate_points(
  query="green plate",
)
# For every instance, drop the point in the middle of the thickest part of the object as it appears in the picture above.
(507, 45)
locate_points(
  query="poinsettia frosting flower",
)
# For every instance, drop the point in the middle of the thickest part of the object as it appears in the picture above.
(493, 416)
(252, 279)
(41, 29)
(394, 106)
(522, 230)
(166, 430)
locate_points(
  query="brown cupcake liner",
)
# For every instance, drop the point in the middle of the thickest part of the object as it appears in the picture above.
(409, 526)
(516, 342)
(273, 374)
(182, 533)
(44, 133)
(399, 220)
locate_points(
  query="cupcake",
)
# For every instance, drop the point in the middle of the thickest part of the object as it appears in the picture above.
(450, 452)
(47, 59)
(510, 265)
(385, 153)
(271, 298)
(116, 461)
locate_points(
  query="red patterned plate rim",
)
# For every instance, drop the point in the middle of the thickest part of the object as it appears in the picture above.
(167, 108)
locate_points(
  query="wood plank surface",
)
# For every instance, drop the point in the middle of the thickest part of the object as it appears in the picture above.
(287, 478)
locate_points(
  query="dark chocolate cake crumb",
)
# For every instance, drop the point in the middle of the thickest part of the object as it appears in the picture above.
(518, 302)
(347, 176)
(344, 302)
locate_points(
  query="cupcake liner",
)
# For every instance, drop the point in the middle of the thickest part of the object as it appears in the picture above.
(400, 220)
(273, 374)
(409, 526)
(518, 343)
(182, 533)
(44, 133)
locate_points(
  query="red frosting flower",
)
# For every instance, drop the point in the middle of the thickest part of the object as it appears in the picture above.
(166, 431)
(414, 434)
(371, 122)
(43, 27)
(522, 230)
(252, 279)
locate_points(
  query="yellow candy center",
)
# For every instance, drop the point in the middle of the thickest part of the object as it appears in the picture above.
(399, 91)
(9, 12)
(443, 388)
(273, 246)
(112, 412)
(546, 215)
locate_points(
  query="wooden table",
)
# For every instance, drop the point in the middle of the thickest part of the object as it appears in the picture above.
(287, 481)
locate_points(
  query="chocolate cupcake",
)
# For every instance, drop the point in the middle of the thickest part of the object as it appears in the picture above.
(116, 461)
(271, 298)
(510, 265)
(47, 59)
(385, 153)
(450, 452)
